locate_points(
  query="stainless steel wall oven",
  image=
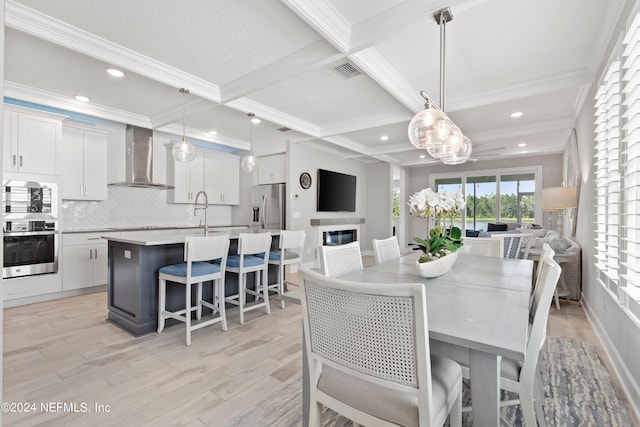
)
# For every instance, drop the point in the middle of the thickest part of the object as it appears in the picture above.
(30, 225)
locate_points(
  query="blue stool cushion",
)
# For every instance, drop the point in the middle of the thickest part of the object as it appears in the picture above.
(249, 261)
(199, 268)
(275, 255)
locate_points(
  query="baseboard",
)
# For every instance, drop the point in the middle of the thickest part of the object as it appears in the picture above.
(53, 296)
(630, 387)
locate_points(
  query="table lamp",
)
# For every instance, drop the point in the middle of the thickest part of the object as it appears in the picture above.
(558, 199)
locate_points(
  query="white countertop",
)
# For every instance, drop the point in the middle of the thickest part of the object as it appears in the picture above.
(168, 237)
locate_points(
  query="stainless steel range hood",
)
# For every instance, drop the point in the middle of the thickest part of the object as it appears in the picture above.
(139, 167)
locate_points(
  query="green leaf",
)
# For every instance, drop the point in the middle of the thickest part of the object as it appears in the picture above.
(456, 233)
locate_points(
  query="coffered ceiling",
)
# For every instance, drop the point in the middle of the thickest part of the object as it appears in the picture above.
(278, 59)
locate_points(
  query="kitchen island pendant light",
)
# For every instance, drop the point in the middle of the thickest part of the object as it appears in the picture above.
(249, 162)
(183, 151)
(431, 128)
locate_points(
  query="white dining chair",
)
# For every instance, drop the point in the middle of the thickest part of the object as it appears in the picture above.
(291, 245)
(524, 378)
(482, 246)
(341, 259)
(385, 250)
(246, 261)
(367, 349)
(196, 269)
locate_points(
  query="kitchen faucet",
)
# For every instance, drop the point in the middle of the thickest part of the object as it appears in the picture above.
(206, 205)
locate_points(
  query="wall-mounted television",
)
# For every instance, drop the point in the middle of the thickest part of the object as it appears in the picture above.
(336, 191)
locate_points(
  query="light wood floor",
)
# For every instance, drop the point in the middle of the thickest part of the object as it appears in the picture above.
(65, 351)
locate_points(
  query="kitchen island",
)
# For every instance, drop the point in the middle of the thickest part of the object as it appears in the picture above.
(134, 261)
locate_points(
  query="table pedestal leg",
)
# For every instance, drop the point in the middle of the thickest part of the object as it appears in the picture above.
(485, 388)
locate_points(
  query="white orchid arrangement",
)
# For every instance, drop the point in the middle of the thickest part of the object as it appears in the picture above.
(427, 204)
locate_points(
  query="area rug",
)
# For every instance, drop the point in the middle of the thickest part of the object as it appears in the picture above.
(578, 392)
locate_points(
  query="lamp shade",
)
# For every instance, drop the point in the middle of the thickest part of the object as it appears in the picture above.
(558, 198)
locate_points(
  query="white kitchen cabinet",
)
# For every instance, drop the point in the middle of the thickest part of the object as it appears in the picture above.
(84, 164)
(222, 179)
(84, 260)
(272, 169)
(32, 141)
(186, 177)
(217, 174)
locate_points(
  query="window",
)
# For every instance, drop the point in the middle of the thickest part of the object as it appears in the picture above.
(617, 168)
(494, 196)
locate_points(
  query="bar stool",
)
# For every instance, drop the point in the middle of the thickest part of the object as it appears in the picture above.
(195, 269)
(291, 246)
(247, 261)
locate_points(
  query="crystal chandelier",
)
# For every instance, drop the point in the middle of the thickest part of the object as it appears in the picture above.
(431, 128)
(250, 161)
(183, 151)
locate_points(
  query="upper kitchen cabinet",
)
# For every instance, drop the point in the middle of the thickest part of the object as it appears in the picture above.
(186, 177)
(32, 141)
(222, 179)
(217, 174)
(84, 164)
(272, 169)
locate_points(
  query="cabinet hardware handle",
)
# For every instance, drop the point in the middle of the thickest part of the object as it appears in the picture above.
(85, 190)
(14, 160)
(81, 189)
(96, 252)
(90, 253)
(20, 160)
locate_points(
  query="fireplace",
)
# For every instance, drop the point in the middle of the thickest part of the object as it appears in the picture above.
(339, 237)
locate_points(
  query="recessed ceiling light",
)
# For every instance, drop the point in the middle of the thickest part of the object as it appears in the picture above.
(213, 132)
(255, 120)
(422, 156)
(81, 98)
(384, 138)
(115, 72)
(522, 144)
(516, 114)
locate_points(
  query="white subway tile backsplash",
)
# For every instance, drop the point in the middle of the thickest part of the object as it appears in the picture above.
(136, 207)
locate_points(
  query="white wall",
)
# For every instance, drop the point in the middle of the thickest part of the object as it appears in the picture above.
(135, 207)
(301, 207)
(379, 209)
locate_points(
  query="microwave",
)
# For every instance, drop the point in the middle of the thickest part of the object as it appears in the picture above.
(29, 200)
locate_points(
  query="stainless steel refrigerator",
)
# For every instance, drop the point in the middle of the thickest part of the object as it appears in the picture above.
(268, 206)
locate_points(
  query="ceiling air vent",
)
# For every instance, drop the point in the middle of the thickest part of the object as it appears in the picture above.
(346, 70)
(284, 129)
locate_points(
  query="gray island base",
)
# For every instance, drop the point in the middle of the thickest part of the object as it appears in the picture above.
(134, 261)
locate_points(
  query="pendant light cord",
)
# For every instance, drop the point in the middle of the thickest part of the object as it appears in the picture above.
(184, 92)
(442, 23)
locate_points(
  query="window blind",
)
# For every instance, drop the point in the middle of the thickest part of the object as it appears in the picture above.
(630, 157)
(607, 172)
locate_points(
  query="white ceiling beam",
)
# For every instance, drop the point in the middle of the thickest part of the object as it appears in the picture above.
(275, 116)
(521, 131)
(319, 54)
(362, 123)
(47, 28)
(176, 129)
(174, 114)
(400, 18)
(325, 19)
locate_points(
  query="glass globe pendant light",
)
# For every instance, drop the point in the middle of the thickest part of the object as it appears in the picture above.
(249, 162)
(183, 151)
(431, 128)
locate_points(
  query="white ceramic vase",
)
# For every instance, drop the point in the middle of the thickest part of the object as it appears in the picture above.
(438, 267)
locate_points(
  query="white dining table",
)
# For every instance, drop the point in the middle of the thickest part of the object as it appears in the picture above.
(477, 313)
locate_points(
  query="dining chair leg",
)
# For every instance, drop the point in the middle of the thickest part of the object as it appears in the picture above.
(218, 288)
(161, 303)
(187, 311)
(265, 288)
(539, 395)
(315, 414)
(281, 274)
(455, 416)
(199, 302)
(241, 295)
(526, 403)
